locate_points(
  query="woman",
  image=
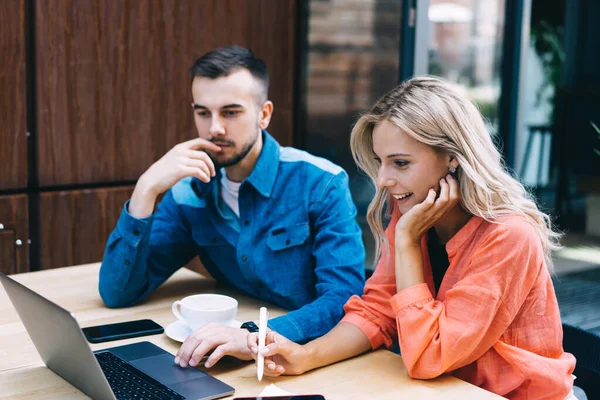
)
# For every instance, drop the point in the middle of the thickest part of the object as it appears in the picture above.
(463, 280)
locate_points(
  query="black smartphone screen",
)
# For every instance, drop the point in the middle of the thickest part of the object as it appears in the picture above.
(292, 397)
(121, 330)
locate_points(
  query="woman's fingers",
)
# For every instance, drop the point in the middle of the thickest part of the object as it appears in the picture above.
(283, 349)
(453, 184)
(429, 200)
(448, 196)
(275, 344)
(444, 192)
(273, 337)
(277, 372)
(272, 368)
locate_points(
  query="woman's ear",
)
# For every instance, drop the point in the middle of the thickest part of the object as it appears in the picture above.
(453, 167)
(454, 162)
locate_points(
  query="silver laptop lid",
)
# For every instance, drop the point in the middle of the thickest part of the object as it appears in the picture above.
(58, 339)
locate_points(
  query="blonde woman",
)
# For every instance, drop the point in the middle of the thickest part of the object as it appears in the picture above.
(463, 279)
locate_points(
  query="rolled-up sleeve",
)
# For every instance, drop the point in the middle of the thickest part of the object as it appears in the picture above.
(440, 336)
(142, 253)
(372, 313)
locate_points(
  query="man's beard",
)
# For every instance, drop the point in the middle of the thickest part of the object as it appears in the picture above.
(236, 158)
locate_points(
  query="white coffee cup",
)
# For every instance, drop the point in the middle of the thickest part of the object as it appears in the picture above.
(201, 309)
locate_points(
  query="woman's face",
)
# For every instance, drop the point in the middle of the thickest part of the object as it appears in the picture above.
(407, 167)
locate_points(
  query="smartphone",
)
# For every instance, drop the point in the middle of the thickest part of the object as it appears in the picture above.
(121, 330)
(291, 397)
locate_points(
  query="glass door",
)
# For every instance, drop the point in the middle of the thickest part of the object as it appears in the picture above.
(352, 59)
(462, 42)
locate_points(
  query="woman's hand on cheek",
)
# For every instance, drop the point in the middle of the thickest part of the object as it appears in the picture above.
(418, 220)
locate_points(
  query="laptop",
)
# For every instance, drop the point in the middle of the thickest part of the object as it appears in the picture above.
(134, 371)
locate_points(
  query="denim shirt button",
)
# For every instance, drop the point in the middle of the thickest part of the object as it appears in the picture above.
(136, 232)
(127, 262)
(287, 242)
(246, 222)
(244, 258)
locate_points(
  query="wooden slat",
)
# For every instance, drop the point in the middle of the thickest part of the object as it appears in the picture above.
(75, 225)
(113, 84)
(14, 216)
(8, 260)
(13, 122)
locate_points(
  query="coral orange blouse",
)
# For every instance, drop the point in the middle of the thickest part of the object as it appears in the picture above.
(494, 323)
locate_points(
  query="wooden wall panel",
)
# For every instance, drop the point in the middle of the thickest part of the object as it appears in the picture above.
(8, 256)
(13, 122)
(113, 86)
(14, 217)
(75, 225)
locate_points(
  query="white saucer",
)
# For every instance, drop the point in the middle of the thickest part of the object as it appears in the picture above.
(179, 330)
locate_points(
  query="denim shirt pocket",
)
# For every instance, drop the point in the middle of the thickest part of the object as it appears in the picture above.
(290, 266)
(288, 236)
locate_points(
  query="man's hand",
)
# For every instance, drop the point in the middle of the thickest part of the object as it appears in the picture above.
(185, 159)
(223, 339)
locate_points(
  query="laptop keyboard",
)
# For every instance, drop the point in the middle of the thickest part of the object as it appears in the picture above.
(128, 382)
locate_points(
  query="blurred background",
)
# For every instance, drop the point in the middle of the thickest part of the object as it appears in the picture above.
(92, 92)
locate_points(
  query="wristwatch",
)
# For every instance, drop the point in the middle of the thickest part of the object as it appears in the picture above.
(250, 326)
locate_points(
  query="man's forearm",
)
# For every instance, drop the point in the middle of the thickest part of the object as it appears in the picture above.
(122, 282)
(314, 319)
(142, 200)
(124, 265)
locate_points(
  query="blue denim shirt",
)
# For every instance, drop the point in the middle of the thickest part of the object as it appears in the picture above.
(296, 242)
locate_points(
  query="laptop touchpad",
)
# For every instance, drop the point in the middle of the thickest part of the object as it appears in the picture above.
(163, 369)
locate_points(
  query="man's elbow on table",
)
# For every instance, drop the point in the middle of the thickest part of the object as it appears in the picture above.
(112, 297)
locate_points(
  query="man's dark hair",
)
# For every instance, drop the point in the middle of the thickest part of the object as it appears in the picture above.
(226, 60)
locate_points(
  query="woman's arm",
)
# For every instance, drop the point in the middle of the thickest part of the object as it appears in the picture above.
(283, 356)
(342, 342)
(408, 265)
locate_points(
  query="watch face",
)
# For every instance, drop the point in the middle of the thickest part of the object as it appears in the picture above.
(250, 326)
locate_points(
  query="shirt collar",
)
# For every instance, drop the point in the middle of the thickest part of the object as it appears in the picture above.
(264, 173)
(462, 235)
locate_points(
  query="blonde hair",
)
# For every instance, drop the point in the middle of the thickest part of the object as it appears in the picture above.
(432, 112)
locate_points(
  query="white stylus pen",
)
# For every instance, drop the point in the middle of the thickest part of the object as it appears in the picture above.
(262, 334)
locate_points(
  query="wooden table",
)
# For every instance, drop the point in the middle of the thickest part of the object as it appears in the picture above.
(375, 375)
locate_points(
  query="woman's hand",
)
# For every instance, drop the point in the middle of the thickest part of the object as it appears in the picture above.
(418, 220)
(282, 356)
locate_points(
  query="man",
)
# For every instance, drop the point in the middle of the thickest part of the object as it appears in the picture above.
(273, 222)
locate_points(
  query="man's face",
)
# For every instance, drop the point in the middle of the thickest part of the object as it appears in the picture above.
(227, 113)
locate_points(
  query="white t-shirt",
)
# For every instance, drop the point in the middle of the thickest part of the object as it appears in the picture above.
(230, 192)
